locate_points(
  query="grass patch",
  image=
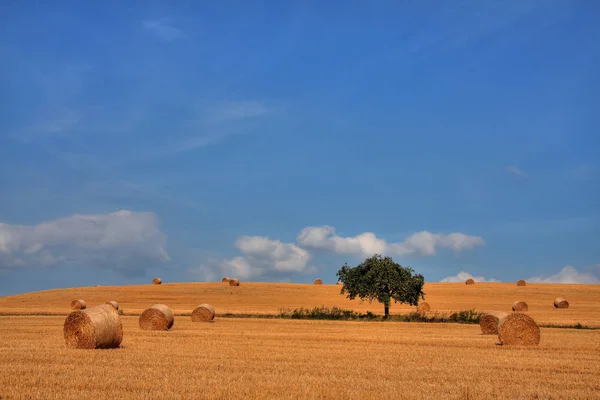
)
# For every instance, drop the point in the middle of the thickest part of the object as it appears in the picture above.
(578, 325)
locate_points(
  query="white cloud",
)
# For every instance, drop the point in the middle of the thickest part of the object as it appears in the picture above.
(163, 31)
(568, 275)
(515, 170)
(260, 256)
(366, 244)
(463, 276)
(113, 240)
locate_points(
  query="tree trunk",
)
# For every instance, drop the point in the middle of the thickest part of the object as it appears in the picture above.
(387, 311)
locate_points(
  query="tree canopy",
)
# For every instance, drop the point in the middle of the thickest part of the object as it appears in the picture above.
(380, 278)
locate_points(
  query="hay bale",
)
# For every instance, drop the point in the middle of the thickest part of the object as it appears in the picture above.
(520, 306)
(234, 282)
(423, 307)
(78, 305)
(518, 329)
(470, 281)
(521, 282)
(95, 328)
(318, 281)
(156, 281)
(339, 283)
(114, 304)
(159, 317)
(225, 280)
(559, 302)
(203, 313)
(489, 322)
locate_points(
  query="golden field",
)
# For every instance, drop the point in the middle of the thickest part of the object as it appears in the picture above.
(254, 358)
(236, 358)
(269, 298)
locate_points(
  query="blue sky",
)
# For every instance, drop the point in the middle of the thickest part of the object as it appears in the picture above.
(274, 141)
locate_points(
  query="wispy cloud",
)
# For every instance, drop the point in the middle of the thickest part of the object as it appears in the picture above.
(163, 31)
(366, 244)
(568, 275)
(463, 276)
(124, 241)
(515, 170)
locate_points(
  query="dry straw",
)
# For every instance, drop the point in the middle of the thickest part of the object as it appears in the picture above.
(234, 282)
(78, 305)
(114, 304)
(489, 322)
(203, 313)
(520, 306)
(159, 317)
(225, 280)
(95, 328)
(518, 329)
(521, 283)
(318, 281)
(423, 307)
(470, 281)
(561, 303)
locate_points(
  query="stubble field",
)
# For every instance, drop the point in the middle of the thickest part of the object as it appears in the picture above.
(235, 358)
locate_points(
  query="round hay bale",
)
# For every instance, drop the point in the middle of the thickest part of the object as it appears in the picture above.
(318, 281)
(520, 306)
(521, 282)
(78, 305)
(339, 283)
(489, 322)
(518, 329)
(225, 280)
(559, 302)
(470, 281)
(159, 317)
(156, 281)
(423, 307)
(203, 313)
(234, 282)
(95, 328)
(114, 304)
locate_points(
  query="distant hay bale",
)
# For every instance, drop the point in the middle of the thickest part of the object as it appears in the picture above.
(518, 329)
(318, 281)
(489, 322)
(521, 282)
(203, 313)
(520, 306)
(234, 282)
(561, 303)
(95, 328)
(423, 307)
(114, 304)
(225, 280)
(470, 281)
(339, 283)
(159, 317)
(78, 305)
(156, 281)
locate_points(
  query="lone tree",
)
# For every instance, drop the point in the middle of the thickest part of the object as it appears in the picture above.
(380, 278)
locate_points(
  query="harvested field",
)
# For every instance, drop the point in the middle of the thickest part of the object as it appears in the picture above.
(296, 360)
(269, 298)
